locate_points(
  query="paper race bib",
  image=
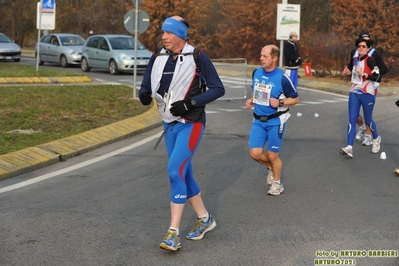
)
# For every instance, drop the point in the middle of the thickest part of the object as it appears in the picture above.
(262, 94)
(356, 77)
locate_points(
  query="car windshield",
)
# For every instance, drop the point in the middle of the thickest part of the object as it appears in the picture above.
(4, 39)
(72, 41)
(123, 43)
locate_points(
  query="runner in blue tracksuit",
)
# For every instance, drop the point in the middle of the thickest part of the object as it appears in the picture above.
(365, 74)
(272, 93)
(364, 132)
(172, 79)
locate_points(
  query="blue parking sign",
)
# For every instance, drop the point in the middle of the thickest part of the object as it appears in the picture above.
(48, 4)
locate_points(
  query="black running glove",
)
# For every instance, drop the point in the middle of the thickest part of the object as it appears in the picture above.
(145, 98)
(181, 107)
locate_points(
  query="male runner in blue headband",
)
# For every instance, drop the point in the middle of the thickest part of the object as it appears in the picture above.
(172, 79)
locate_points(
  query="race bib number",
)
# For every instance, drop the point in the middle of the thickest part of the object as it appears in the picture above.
(262, 94)
(356, 77)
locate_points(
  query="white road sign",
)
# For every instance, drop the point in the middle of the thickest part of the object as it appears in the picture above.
(288, 19)
(47, 18)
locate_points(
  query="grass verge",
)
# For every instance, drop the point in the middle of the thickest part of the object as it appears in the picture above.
(53, 112)
(33, 115)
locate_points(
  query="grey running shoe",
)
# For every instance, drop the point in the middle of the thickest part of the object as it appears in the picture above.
(171, 241)
(376, 145)
(270, 176)
(360, 134)
(367, 141)
(200, 228)
(275, 189)
(347, 151)
(396, 171)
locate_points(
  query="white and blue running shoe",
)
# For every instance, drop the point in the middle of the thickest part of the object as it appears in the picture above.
(200, 228)
(171, 241)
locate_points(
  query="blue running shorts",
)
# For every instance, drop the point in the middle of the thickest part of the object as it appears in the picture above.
(261, 133)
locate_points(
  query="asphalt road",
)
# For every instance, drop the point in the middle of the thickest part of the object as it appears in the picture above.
(98, 75)
(238, 89)
(114, 210)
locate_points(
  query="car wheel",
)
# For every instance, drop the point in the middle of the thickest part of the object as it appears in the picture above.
(85, 65)
(40, 60)
(17, 60)
(63, 61)
(113, 67)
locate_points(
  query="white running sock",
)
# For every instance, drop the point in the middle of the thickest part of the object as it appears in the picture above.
(205, 218)
(174, 229)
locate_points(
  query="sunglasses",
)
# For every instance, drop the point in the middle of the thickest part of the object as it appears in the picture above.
(362, 46)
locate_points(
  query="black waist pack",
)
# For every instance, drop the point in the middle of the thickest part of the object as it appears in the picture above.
(267, 117)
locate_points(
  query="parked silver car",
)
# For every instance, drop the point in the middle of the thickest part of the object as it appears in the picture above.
(9, 50)
(113, 52)
(63, 48)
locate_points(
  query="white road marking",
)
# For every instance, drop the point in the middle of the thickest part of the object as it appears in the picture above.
(230, 110)
(324, 92)
(236, 86)
(307, 102)
(80, 165)
(212, 112)
(340, 99)
(331, 101)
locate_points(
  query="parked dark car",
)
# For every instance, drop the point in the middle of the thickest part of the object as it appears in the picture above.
(63, 48)
(9, 50)
(113, 52)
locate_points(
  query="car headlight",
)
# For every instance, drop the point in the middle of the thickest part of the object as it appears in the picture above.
(124, 56)
(75, 53)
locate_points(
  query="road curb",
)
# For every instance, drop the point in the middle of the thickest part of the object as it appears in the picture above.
(45, 80)
(32, 158)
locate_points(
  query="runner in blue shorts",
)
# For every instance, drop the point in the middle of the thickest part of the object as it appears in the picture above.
(262, 133)
(272, 94)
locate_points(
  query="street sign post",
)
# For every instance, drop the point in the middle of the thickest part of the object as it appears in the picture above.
(136, 22)
(45, 21)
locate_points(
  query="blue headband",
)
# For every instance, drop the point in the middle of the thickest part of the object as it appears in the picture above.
(176, 27)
